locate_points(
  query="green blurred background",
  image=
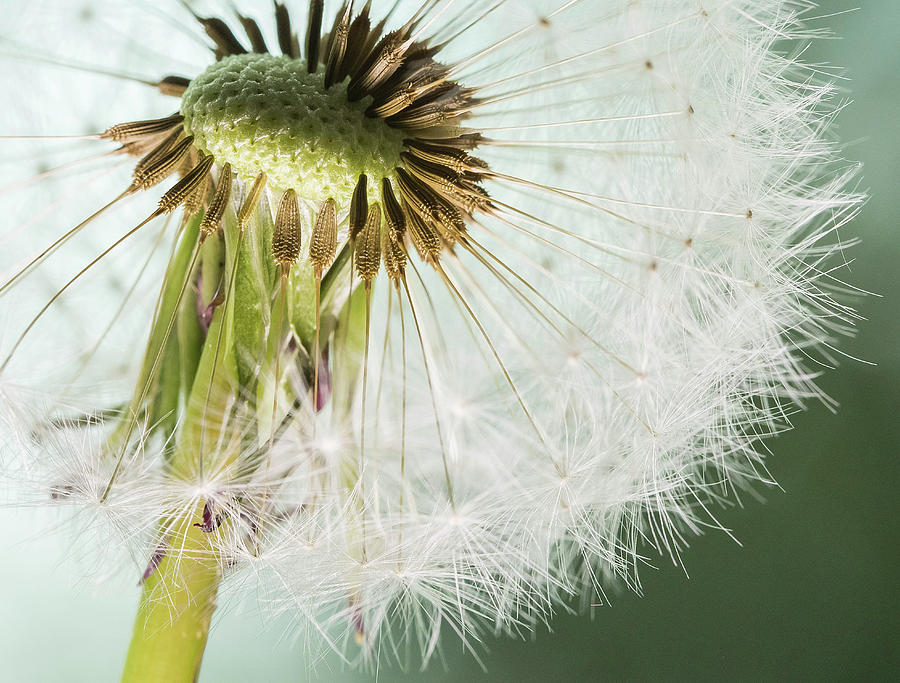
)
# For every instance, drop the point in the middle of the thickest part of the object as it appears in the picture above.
(811, 594)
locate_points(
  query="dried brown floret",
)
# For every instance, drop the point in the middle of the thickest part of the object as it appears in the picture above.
(286, 238)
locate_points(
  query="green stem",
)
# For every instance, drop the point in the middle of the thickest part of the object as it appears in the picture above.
(173, 619)
(205, 432)
(179, 597)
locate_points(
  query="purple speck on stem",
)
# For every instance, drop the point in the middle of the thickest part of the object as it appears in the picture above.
(324, 381)
(155, 559)
(205, 312)
(210, 522)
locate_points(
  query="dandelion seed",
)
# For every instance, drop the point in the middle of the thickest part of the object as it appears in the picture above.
(468, 304)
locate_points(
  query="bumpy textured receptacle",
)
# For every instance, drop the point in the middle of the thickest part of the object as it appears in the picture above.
(267, 113)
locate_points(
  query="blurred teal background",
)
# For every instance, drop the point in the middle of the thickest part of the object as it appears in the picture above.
(811, 594)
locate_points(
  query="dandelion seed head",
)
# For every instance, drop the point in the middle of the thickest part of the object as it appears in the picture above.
(609, 238)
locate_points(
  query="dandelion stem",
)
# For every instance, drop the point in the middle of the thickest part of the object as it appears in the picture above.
(176, 607)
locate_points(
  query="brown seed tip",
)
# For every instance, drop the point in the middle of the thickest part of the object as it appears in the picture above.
(210, 223)
(314, 34)
(368, 250)
(425, 238)
(199, 196)
(135, 130)
(249, 205)
(185, 187)
(286, 238)
(394, 253)
(173, 86)
(323, 243)
(338, 46)
(393, 240)
(161, 162)
(359, 207)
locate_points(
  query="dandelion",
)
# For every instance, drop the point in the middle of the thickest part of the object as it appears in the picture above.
(451, 312)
